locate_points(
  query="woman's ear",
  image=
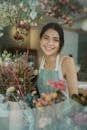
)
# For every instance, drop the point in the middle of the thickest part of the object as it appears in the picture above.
(40, 41)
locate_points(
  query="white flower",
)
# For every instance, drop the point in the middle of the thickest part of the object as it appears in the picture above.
(35, 72)
(14, 7)
(21, 5)
(33, 14)
(10, 89)
(44, 121)
(1, 34)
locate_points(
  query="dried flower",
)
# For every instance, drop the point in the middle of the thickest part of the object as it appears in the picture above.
(11, 89)
(49, 99)
(16, 74)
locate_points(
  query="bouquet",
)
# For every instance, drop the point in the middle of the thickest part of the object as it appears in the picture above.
(58, 96)
(50, 98)
(17, 77)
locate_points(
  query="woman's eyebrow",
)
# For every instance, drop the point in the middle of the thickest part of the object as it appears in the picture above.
(46, 35)
(56, 37)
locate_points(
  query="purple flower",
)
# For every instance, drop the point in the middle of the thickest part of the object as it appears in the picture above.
(80, 118)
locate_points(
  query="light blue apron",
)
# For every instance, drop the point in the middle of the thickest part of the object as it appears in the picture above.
(54, 75)
(43, 77)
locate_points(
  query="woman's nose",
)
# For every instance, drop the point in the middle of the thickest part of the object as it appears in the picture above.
(50, 41)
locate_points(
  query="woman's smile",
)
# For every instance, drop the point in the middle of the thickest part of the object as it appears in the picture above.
(48, 47)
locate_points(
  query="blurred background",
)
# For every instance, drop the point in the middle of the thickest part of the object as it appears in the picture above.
(21, 21)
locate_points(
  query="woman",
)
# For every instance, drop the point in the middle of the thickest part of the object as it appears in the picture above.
(53, 65)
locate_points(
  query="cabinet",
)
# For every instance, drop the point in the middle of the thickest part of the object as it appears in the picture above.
(82, 56)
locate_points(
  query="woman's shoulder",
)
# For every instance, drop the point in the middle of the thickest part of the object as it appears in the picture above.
(68, 62)
(66, 59)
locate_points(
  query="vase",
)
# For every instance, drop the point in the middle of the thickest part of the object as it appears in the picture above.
(21, 117)
(3, 105)
(4, 114)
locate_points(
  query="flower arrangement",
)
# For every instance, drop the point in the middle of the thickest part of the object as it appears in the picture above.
(58, 96)
(50, 98)
(23, 14)
(33, 12)
(16, 75)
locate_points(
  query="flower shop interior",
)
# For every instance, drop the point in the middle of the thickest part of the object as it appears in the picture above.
(20, 25)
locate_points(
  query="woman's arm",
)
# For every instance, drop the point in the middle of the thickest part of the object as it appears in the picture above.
(70, 73)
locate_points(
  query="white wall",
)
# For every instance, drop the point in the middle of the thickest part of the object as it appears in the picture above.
(71, 44)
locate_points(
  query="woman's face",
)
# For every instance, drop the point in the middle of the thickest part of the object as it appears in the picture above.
(49, 42)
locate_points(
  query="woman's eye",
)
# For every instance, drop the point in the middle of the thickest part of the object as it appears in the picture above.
(56, 40)
(45, 37)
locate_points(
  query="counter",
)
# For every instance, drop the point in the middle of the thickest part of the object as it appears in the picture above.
(67, 115)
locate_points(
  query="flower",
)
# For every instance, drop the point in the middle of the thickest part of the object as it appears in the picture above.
(52, 97)
(79, 118)
(64, 1)
(11, 89)
(57, 84)
(49, 98)
(22, 15)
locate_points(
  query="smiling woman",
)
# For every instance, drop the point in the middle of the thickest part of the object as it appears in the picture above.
(53, 65)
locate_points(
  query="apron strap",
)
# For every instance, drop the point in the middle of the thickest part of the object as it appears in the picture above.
(41, 64)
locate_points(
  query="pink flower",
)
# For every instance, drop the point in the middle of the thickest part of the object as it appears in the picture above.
(44, 1)
(64, 1)
(18, 36)
(57, 84)
(43, 102)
